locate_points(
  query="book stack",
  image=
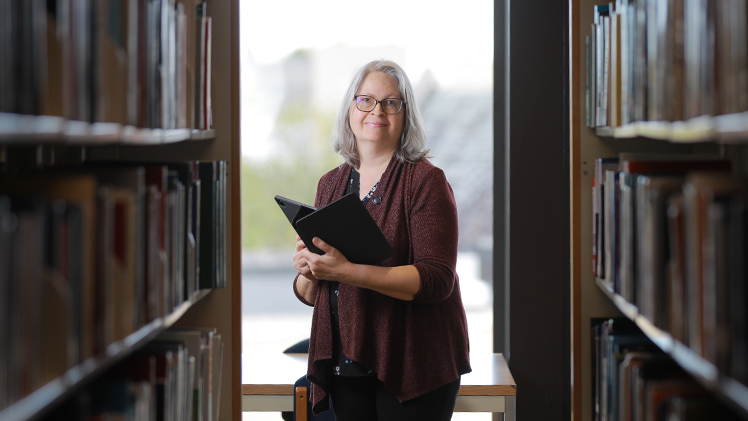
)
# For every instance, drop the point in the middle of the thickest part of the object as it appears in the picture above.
(634, 380)
(666, 61)
(105, 66)
(670, 240)
(96, 254)
(175, 377)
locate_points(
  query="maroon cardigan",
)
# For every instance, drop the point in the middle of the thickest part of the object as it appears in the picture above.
(413, 346)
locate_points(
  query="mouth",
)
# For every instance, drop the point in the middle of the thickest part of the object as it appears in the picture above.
(375, 124)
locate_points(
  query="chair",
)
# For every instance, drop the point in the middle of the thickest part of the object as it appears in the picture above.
(302, 408)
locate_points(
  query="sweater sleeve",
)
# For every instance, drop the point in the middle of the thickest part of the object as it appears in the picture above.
(434, 236)
(296, 292)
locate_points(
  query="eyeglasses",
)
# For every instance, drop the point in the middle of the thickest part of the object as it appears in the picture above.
(367, 103)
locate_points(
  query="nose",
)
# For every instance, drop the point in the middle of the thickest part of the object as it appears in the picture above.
(380, 106)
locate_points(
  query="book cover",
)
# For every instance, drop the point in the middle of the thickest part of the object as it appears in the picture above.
(200, 70)
(619, 345)
(601, 166)
(209, 225)
(600, 13)
(699, 58)
(676, 269)
(342, 224)
(105, 309)
(111, 62)
(640, 79)
(653, 251)
(26, 317)
(611, 228)
(615, 66)
(699, 190)
(81, 191)
(658, 394)
(634, 166)
(168, 376)
(627, 240)
(717, 305)
(632, 362)
(7, 233)
(588, 81)
(51, 98)
(738, 233)
(197, 343)
(56, 295)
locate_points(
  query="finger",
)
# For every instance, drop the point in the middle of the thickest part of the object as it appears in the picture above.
(305, 270)
(322, 245)
(303, 253)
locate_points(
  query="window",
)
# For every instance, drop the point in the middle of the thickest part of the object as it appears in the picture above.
(295, 67)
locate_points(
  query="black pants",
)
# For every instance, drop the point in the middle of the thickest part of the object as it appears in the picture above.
(365, 399)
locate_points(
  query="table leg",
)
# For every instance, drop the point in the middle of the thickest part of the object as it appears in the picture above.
(510, 412)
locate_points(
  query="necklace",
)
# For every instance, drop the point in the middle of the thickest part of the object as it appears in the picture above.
(354, 186)
(371, 191)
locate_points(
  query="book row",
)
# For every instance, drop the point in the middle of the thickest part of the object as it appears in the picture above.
(669, 236)
(176, 377)
(656, 60)
(93, 252)
(633, 380)
(142, 63)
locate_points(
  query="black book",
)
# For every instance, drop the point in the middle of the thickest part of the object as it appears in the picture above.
(344, 224)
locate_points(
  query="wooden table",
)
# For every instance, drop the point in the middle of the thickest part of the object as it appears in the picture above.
(267, 384)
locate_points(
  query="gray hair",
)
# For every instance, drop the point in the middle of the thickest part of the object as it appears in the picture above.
(412, 145)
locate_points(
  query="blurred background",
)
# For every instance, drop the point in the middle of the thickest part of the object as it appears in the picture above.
(297, 59)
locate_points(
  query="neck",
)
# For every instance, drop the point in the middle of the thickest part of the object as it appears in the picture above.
(373, 159)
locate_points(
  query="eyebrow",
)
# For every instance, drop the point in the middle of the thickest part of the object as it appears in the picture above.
(397, 95)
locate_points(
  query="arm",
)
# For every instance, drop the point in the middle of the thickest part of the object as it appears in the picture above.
(401, 282)
(306, 284)
(306, 289)
(434, 235)
(431, 277)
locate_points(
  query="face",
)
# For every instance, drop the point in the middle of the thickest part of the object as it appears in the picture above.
(375, 125)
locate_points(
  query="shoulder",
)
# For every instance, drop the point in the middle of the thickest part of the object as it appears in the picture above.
(330, 183)
(427, 182)
(425, 172)
(333, 176)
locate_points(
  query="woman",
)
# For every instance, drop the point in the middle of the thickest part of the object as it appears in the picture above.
(388, 342)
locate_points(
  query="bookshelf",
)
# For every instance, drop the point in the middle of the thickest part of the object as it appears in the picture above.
(652, 104)
(81, 127)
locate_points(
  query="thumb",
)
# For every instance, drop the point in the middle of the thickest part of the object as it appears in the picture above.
(321, 244)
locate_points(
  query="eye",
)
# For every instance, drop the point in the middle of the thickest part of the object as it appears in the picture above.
(364, 100)
(391, 102)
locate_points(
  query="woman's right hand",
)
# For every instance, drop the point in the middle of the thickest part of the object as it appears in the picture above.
(306, 284)
(300, 263)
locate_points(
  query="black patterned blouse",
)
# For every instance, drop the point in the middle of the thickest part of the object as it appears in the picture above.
(343, 365)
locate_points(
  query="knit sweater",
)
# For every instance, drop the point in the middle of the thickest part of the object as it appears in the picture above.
(413, 346)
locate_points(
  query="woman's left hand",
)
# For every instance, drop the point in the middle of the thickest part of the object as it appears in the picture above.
(331, 266)
(402, 282)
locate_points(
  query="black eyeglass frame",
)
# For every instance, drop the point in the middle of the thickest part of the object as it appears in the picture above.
(377, 102)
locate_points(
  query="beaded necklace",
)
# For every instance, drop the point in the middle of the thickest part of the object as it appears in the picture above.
(354, 187)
